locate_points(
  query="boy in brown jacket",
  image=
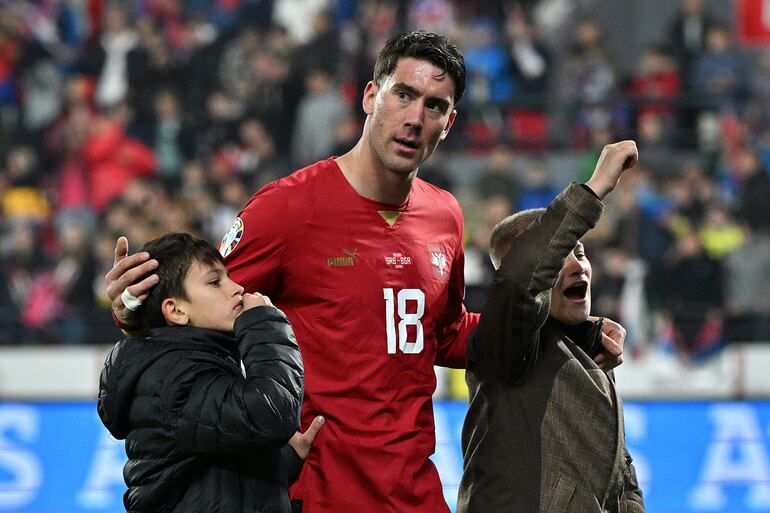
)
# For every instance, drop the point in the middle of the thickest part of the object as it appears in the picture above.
(544, 430)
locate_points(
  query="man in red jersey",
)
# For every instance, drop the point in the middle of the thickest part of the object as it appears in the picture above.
(366, 260)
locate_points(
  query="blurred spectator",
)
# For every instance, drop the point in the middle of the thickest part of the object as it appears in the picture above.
(74, 275)
(530, 60)
(433, 16)
(720, 73)
(588, 82)
(321, 110)
(234, 195)
(642, 212)
(537, 191)
(198, 46)
(297, 17)
(609, 270)
(236, 68)
(29, 300)
(64, 143)
(150, 70)
(719, 233)
(219, 127)
(23, 198)
(39, 87)
(478, 267)
(255, 158)
(169, 135)
(275, 92)
(754, 191)
(498, 178)
(747, 295)
(322, 50)
(656, 138)
(108, 61)
(757, 113)
(693, 324)
(113, 159)
(619, 293)
(489, 79)
(691, 194)
(656, 84)
(589, 156)
(688, 31)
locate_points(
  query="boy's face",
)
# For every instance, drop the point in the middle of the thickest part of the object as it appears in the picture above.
(214, 300)
(571, 296)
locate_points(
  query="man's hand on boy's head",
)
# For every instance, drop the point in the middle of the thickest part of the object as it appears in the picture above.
(255, 299)
(613, 337)
(129, 272)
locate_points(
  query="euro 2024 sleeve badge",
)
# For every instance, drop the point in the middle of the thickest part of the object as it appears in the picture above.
(231, 238)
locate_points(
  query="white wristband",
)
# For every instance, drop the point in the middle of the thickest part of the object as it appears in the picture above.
(130, 301)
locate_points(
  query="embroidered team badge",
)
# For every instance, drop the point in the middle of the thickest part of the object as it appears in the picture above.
(231, 238)
(438, 261)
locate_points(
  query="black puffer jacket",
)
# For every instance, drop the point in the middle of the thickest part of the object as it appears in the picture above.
(201, 437)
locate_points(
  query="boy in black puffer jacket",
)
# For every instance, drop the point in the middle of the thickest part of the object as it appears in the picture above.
(208, 401)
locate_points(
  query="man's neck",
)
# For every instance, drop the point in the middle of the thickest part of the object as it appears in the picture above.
(371, 179)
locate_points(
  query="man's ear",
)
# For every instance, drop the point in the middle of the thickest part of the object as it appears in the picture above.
(370, 95)
(173, 313)
(449, 124)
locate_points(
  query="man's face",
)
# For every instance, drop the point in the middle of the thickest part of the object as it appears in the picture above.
(571, 296)
(214, 300)
(411, 112)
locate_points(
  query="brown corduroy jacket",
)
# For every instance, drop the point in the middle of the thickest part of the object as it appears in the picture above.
(544, 429)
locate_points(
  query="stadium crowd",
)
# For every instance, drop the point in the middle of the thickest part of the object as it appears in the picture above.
(138, 118)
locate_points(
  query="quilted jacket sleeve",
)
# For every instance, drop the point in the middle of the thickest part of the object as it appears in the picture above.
(226, 413)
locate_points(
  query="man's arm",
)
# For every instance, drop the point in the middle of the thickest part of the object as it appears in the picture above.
(457, 322)
(517, 307)
(508, 333)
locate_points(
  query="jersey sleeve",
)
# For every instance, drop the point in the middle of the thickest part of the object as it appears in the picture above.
(254, 246)
(457, 323)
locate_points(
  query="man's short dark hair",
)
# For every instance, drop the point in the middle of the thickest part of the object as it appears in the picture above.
(427, 46)
(510, 227)
(175, 253)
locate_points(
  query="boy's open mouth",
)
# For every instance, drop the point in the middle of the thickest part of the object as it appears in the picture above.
(577, 291)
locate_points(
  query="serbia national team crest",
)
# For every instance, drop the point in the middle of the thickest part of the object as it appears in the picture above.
(232, 237)
(438, 261)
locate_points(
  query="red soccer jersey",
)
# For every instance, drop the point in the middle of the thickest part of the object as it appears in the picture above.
(374, 293)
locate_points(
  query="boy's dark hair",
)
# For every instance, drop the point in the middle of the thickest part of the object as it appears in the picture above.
(427, 46)
(175, 253)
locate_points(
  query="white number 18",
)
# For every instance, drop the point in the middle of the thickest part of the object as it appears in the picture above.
(407, 319)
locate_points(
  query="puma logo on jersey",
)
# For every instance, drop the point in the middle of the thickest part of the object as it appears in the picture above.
(347, 259)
